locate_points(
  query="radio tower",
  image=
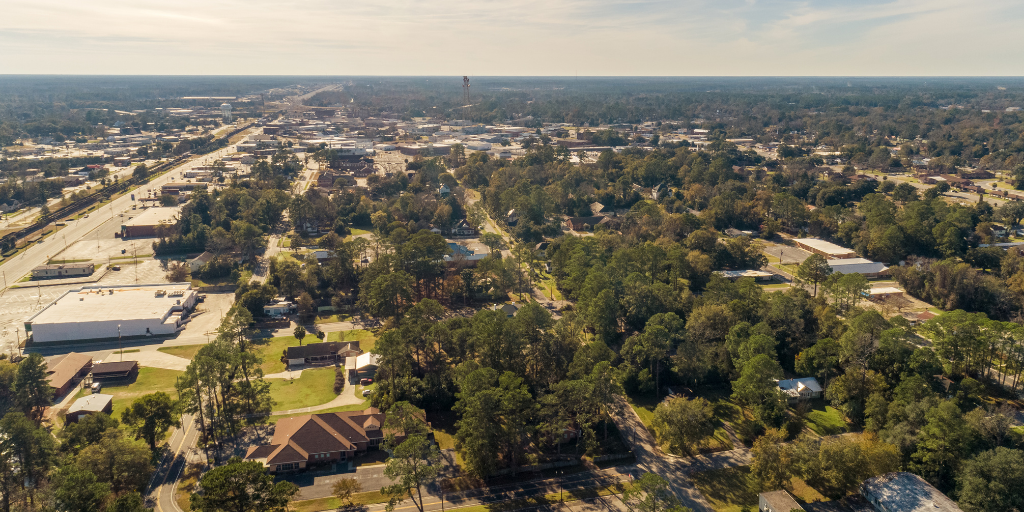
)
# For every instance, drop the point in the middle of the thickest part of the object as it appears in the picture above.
(465, 98)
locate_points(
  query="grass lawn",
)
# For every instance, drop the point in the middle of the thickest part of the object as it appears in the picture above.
(327, 319)
(340, 408)
(332, 503)
(732, 489)
(313, 387)
(150, 380)
(185, 351)
(272, 349)
(357, 232)
(644, 406)
(826, 420)
(547, 284)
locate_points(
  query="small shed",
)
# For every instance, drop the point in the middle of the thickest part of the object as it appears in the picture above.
(89, 404)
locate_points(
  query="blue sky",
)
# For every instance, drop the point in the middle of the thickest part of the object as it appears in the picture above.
(513, 37)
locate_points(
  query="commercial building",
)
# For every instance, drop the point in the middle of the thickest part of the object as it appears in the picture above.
(62, 271)
(863, 266)
(314, 439)
(65, 370)
(827, 249)
(109, 312)
(758, 275)
(905, 492)
(89, 404)
(147, 223)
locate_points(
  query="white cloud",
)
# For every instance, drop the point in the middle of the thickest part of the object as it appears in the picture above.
(513, 37)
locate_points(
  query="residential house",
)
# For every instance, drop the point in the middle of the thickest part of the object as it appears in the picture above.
(512, 217)
(462, 228)
(797, 390)
(280, 308)
(584, 223)
(197, 263)
(319, 439)
(325, 353)
(510, 310)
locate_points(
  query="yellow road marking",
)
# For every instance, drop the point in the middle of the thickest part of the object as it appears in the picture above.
(174, 456)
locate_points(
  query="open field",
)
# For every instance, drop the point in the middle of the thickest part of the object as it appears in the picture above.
(313, 387)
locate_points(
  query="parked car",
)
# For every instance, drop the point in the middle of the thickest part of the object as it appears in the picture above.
(115, 267)
(367, 392)
(96, 387)
(365, 382)
(201, 298)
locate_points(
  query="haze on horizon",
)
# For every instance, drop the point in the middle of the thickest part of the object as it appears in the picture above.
(515, 37)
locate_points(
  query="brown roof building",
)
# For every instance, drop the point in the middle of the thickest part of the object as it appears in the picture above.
(64, 371)
(314, 439)
(118, 370)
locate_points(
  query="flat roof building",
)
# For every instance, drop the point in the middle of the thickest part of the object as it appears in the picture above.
(777, 501)
(905, 492)
(149, 221)
(62, 271)
(89, 404)
(862, 266)
(109, 312)
(758, 275)
(827, 249)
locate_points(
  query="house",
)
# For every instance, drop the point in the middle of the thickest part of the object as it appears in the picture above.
(366, 364)
(777, 501)
(323, 255)
(800, 389)
(64, 371)
(318, 439)
(13, 205)
(584, 223)
(905, 492)
(329, 352)
(512, 217)
(510, 310)
(114, 371)
(280, 308)
(89, 404)
(443, 191)
(598, 208)
(462, 228)
(197, 263)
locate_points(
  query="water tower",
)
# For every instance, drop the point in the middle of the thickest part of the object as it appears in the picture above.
(225, 109)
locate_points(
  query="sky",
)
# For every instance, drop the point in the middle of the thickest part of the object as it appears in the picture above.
(514, 37)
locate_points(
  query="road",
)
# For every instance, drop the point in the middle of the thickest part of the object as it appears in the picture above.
(182, 450)
(50, 247)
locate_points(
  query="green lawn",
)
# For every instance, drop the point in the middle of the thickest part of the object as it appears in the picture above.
(185, 351)
(733, 489)
(340, 408)
(357, 232)
(150, 380)
(313, 387)
(272, 349)
(826, 420)
(547, 284)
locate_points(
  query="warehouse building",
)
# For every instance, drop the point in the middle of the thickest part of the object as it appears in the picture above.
(109, 312)
(863, 266)
(827, 249)
(149, 221)
(62, 271)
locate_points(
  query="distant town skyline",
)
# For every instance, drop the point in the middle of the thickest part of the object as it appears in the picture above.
(515, 37)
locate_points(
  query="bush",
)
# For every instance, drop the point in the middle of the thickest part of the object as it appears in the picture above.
(339, 380)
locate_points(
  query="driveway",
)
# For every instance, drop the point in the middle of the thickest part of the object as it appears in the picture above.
(313, 485)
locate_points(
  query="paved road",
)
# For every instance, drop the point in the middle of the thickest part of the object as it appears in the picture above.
(165, 480)
(13, 269)
(672, 468)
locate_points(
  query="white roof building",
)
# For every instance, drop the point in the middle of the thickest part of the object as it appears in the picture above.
(367, 361)
(800, 389)
(98, 312)
(905, 492)
(826, 249)
(858, 266)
